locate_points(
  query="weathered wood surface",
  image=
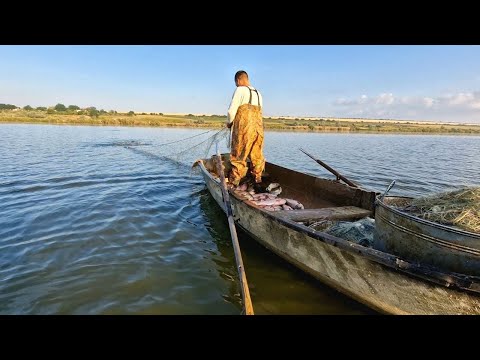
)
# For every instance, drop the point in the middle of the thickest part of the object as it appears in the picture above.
(333, 213)
(377, 279)
(247, 301)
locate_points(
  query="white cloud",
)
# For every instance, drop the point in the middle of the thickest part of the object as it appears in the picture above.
(461, 98)
(386, 99)
(428, 101)
(340, 101)
(463, 106)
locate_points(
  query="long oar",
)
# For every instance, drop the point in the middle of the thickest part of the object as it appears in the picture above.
(236, 246)
(333, 171)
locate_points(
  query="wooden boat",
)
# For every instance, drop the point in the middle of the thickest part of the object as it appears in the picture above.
(382, 281)
(419, 240)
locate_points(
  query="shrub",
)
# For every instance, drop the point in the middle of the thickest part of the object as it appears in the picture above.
(60, 107)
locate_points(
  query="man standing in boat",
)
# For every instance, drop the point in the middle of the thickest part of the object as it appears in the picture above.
(246, 121)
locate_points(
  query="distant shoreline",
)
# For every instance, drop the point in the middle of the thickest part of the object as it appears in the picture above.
(345, 119)
(320, 125)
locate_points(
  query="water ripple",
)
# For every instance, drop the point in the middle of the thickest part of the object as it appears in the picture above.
(98, 220)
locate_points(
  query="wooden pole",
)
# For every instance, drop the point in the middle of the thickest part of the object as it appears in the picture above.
(247, 301)
(333, 171)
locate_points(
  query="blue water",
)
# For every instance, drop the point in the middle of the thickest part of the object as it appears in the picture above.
(108, 220)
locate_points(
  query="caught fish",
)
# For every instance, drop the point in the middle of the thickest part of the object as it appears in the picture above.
(269, 208)
(272, 208)
(259, 196)
(270, 202)
(242, 187)
(243, 195)
(294, 204)
(286, 207)
(280, 201)
(274, 188)
(270, 196)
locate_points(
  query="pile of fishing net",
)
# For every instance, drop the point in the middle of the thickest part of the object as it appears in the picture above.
(360, 231)
(460, 208)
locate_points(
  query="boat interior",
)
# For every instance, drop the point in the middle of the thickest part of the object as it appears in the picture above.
(323, 199)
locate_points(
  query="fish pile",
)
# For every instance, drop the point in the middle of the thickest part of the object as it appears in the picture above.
(267, 200)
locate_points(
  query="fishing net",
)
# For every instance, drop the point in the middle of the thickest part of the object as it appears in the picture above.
(459, 208)
(206, 147)
(199, 146)
(184, 152)
(360, 231)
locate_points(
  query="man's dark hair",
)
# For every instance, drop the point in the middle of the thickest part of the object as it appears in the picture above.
(240, 74)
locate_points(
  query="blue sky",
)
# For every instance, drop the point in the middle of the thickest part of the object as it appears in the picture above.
(418, 82)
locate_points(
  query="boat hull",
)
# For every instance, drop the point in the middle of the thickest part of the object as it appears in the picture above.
(352, 269)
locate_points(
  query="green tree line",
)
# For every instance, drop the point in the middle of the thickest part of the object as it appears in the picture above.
(62, 109)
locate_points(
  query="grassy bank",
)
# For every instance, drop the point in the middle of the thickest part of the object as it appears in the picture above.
(216, 121)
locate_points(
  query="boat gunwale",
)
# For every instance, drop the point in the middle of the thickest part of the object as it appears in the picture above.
(451, 280)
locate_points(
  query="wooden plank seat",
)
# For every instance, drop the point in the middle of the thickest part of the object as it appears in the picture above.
(331, 213)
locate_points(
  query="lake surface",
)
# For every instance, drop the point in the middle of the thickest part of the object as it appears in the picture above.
(111, 220)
